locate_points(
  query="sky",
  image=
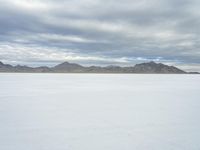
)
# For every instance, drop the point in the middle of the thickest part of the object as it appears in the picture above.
(100, 32)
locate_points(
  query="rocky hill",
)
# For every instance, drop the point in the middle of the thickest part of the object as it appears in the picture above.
(66, 67)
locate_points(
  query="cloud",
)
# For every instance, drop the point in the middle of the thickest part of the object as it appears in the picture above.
(100, 32)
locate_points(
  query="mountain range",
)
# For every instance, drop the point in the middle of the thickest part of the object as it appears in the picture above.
(66, 67)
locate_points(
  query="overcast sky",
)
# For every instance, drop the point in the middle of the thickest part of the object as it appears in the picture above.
(100, 32)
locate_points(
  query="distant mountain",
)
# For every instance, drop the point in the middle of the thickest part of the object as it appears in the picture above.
(25, 69)
(66, 67)
(152, 67)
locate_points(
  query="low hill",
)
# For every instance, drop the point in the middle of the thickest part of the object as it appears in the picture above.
(66, 67)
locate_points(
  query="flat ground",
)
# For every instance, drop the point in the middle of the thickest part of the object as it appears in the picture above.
(99, 112)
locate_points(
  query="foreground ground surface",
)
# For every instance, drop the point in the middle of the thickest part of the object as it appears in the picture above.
(99, 112)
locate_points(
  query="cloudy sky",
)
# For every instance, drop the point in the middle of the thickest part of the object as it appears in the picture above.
(100, 32)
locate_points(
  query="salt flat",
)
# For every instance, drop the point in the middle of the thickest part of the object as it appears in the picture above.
(99, 112)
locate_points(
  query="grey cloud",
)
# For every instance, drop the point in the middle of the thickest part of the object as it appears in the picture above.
(100, 32)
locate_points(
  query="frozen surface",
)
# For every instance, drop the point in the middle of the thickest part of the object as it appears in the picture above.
(99, 112)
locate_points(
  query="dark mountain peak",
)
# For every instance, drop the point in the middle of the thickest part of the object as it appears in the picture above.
(5, 66)
(152, 67)
(66, 64)
(151, 62)
(68, 67)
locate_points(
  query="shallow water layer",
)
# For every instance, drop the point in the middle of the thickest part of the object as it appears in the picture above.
(99, 112)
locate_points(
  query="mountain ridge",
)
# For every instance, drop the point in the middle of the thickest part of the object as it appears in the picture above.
(66, 67)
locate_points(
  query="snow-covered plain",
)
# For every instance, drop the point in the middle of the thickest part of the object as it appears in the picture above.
(99, 112)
